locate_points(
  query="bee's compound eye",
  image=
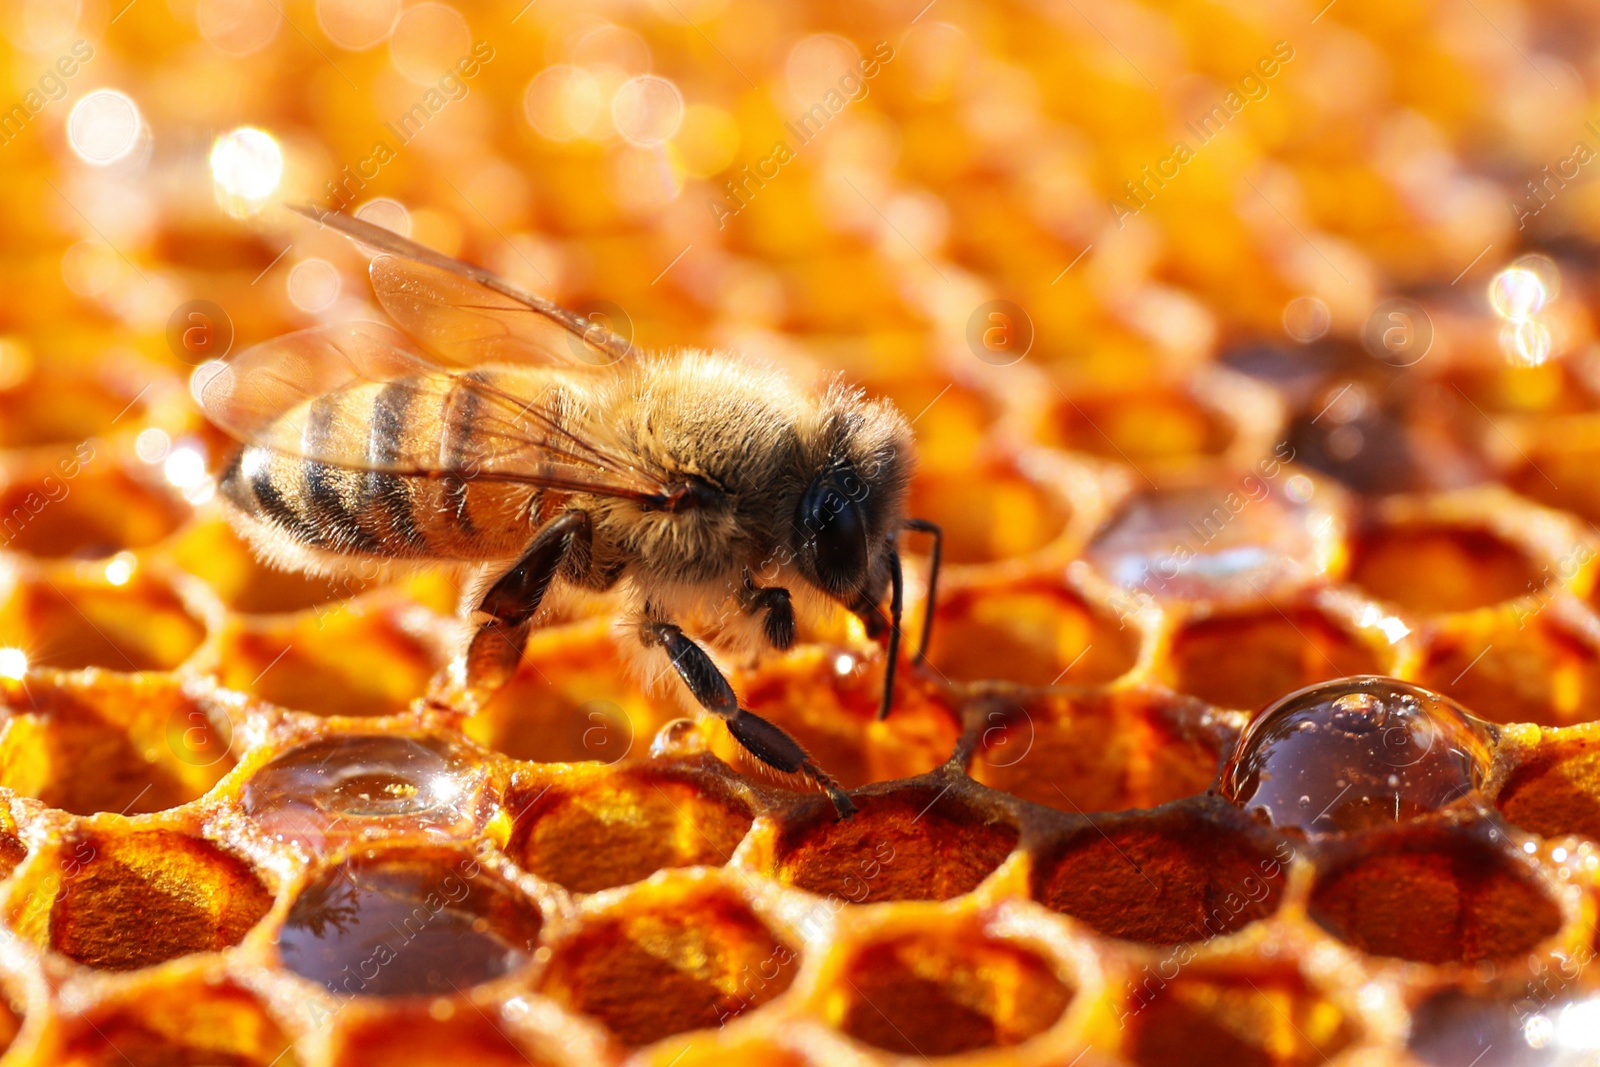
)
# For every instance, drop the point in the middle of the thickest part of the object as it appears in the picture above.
(834, 531)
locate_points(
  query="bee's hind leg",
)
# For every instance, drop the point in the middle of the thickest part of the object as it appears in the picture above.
(762, 739)
(511, 602)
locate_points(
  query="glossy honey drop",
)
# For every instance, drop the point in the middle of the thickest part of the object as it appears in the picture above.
(307, 790)
(1355, 753)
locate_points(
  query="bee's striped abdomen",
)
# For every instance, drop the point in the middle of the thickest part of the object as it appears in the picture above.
(458, 414)
(388, 499)
(326, 518)
(361, 508)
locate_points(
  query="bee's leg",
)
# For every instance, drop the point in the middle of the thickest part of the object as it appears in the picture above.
(511, 602)
(762, 739)
(777, 609)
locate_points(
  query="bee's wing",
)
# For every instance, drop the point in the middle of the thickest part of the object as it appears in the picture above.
(465, 315)
(298, 394)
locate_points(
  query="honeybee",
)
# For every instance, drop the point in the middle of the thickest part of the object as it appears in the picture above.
(503, 431)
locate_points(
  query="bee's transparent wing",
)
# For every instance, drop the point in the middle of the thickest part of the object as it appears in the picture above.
(465, 315)
(314, 394)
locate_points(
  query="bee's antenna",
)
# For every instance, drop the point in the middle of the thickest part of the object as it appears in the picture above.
(896, 604)
(924, 526)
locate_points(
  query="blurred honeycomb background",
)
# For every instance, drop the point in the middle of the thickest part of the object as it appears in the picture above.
(1248, 346)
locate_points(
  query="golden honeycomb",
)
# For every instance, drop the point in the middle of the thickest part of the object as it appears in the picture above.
(1248, 348)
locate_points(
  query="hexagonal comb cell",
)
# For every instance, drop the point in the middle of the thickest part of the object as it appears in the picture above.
(1033, 633)
(183, 1023)
(97, 510)
(400, 923)
(1219, 538)
(664, 963)
(988, 513)
(1165, 877)
(1429, 567)
(345, 661)
(827, 699)
(1435, 896)
(1556, 790)
(622, 827)
(1379, 431)
(931, 995)
(910, 844)
(125, 744)
(355, 784)
(69, 621)
(1221, 1020)
(1509, 667)
(1246, 660)
(1093, 749)
(127, 900)
(568, 702)
(1156, 424)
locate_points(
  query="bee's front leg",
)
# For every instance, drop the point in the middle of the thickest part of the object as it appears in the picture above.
(762, 739)
(775, 606)
(511, 602)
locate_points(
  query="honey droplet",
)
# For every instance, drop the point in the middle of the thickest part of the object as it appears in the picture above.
(317, 784)
(1356, 753)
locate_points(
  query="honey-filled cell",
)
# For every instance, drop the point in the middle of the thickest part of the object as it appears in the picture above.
(399, 923)
(1253, 390)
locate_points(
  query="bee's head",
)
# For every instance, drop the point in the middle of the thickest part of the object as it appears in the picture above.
(855, 499)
